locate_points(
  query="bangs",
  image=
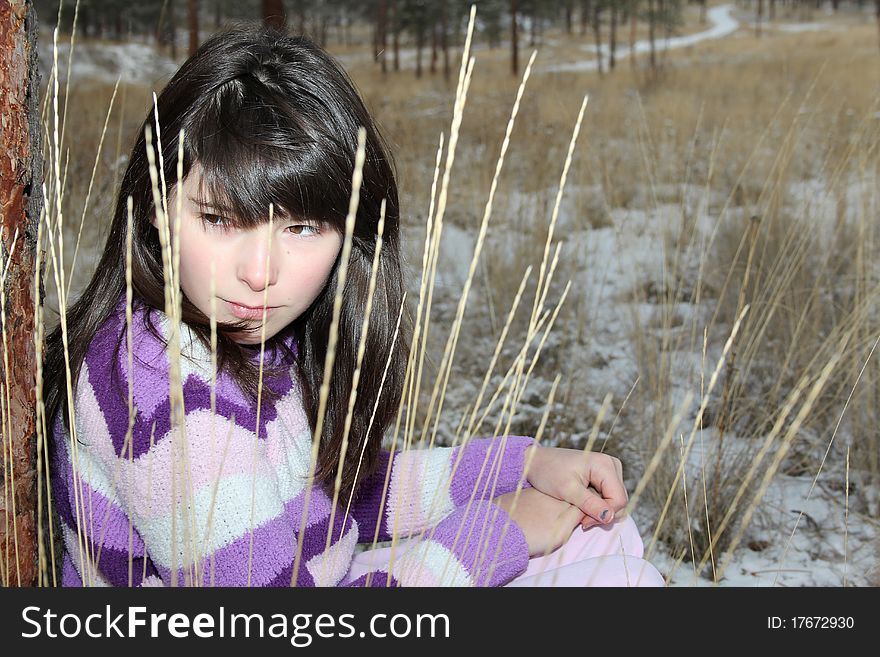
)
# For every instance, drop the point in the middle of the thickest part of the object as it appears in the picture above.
(253, 149)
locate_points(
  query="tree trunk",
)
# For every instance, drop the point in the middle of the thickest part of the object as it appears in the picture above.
(877, 4)
(444, 40)
(597, 34)
(652, 19)
(514, 40)
(395, 26)
(273, 14)
(585, 16)
(382, 33)
(702, 12)
(435, 43)
(420, 42)
(172, 30)
(760, 16)
(86, 21)
(21, 168)
(218, 14)
(569, 10)
(612, 42)
(633, 17)
(193, 26)
(533, 31)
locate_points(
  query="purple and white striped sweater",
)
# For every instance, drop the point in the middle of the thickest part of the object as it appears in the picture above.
(235, 481)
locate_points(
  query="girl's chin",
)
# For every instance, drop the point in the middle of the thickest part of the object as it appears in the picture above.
(251, 342)
(252, 338)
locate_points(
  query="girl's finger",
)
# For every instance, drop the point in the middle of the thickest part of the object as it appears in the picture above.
(588, 522)
(593, 505)
(569, 520)
(609, 483)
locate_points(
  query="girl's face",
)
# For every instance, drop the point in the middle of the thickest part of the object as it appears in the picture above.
(301, 256)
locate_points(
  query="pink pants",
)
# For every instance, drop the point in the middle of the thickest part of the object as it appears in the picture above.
(604, 555)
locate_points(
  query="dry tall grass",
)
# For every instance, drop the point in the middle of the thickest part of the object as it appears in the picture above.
(750, 166)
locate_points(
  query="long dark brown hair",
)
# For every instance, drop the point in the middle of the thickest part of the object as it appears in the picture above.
(270, 118)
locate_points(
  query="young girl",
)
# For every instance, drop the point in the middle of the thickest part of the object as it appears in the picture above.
(272, 119)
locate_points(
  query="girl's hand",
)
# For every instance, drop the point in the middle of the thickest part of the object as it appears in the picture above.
(591, 481)
(545, 521)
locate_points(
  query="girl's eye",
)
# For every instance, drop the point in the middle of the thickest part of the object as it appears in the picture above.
(214, 221)
(296, 230)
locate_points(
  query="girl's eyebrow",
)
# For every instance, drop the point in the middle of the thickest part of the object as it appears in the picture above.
(209, 205)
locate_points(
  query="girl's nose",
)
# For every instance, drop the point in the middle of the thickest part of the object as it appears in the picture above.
(252, 262)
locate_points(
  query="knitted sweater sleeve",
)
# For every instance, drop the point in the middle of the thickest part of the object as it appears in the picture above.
(478, 545)
(444, 495)
(415, 489)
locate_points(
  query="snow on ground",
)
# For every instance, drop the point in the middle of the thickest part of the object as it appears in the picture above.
(617, 258)
(723, 24)
(135, 63)
(802, 27)
(826, 549)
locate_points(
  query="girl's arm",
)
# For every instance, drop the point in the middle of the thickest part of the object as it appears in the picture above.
(476, 546)
(426, 485)
(222, 500)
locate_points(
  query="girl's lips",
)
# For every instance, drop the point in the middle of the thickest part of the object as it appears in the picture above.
(244, 312)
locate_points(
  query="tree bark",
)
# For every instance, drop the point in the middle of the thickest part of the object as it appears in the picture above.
(760, 17)
(444, 40)
(612, 37)
(420, 42)
(633, 18)
(172, 30)
(273, 14)
(597, 34)
(382, 33)
(21, 180)
(193, 7)
(435, 44)
(514, 40)
(395, 37)
(533, 32)
(877, 5)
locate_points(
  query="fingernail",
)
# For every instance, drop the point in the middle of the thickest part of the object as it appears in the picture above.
(584, 528)
(603, 514)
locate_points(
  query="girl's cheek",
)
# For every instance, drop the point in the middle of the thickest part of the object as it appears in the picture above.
(314, 274)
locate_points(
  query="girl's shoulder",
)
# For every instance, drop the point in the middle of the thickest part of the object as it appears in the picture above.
(106, 358)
